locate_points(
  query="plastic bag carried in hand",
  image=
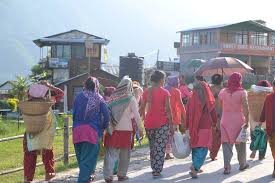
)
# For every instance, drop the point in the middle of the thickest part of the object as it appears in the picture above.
(181, 145)
(243, 135)
(258, 139)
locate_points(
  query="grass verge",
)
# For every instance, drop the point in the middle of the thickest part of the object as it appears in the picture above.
(11, 152)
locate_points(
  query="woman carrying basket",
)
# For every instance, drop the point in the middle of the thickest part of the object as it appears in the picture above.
(42, 142)
(254, 123)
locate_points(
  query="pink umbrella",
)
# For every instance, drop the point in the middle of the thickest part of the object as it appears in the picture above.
(223, 66)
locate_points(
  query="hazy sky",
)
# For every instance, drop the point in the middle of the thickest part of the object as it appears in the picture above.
(140, 26)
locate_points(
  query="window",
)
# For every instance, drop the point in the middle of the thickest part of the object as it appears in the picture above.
(61, 51)
(196, 38)
(67, 51)
(210, 38)
(259, 38)
(186, 39)
(78, 51)
(241, 38)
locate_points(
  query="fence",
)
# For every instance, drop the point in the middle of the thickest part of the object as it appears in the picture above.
(65, 156)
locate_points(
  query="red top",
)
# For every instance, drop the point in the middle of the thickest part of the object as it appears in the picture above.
(268, 113)
(57, 94)
(177, 106)
(156, 116)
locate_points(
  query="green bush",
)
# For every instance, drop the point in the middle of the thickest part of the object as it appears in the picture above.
(4, 104)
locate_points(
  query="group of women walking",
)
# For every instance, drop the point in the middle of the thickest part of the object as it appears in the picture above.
(209, 111)
(212, 115)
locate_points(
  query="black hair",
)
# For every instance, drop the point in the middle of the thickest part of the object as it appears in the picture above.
(273, 82)
(217, 79)
(89, 84)
(157, 76)
(200, 78)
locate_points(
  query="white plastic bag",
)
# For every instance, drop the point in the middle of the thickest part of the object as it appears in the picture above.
(258, 89)
(181, 145)
(243, 135)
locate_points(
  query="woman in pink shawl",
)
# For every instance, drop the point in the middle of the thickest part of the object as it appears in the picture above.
(200, 119)
(233, 100)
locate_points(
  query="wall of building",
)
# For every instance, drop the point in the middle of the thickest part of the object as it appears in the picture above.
(60, 75)
(80, 66)
(104, 78)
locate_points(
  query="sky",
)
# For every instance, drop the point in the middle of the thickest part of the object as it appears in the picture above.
(140, 26)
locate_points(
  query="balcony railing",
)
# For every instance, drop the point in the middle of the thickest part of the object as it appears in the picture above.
(249, 47)
(55, 63)
(260, 50)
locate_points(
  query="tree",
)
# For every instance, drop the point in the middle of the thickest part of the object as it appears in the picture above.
(36, 70)
(38, 73)
(20, 87)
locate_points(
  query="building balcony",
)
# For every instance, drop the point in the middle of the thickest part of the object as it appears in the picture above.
(230, 48)
(54, 63)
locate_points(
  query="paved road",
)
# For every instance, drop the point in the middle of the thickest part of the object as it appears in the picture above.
(177, 171)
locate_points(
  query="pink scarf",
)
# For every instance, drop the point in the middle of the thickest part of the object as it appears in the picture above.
(234, 82)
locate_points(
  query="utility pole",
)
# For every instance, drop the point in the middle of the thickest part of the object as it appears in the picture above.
(158, 55)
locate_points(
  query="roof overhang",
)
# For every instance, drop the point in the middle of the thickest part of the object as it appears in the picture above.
(249, 25)
(54, 41)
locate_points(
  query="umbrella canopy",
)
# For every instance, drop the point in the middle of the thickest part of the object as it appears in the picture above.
(223, 66)
(194, 63)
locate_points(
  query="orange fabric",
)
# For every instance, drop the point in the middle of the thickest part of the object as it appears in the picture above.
(177, 106)
(195, 113)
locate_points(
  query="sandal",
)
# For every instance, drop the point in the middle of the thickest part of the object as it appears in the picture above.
(193, 175)
(108, 180)
(122, 178)
(168, 157)
(253, 154)
(244, 167)
(92, 177)
(227, 170)
(49, 176)
(156, 175)
(193, 169)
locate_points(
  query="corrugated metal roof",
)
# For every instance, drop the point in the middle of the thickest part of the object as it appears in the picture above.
(227, 25)
(112, 69)
(205, 28)
(73, 36)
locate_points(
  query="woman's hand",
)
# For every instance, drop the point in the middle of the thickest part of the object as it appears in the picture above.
(171, 128)
(246, 125)
(141, 134)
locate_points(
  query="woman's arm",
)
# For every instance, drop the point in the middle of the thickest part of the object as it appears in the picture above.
(245, 109)
(262, 118)
(58, 92)
(168, 110)
(179, 100)
(134, 110)
(106, 115)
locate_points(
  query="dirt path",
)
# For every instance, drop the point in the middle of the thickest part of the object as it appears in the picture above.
(176, 170)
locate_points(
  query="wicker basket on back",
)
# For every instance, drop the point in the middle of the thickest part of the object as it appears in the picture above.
(35, 114)
(256, 103)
